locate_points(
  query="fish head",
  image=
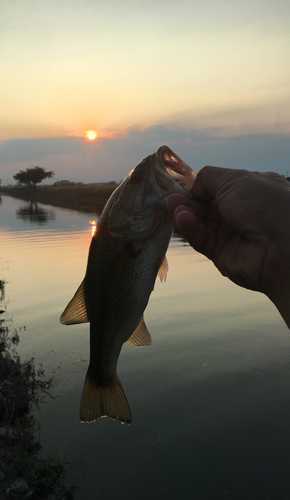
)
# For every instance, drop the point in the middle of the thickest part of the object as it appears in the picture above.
(139, 207)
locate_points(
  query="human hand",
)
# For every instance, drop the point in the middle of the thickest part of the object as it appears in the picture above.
(243, 227)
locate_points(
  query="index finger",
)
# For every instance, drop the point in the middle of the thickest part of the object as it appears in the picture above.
(209, 180)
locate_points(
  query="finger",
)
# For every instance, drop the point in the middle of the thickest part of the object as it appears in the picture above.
(182, 208)
(175, 200)
(200, 237)
(208, 181)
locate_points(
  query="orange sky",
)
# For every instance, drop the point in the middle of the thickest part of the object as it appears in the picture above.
(72, 66)
(209, 79)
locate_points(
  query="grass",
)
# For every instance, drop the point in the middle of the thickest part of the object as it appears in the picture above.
(85, 198)
(22, 387)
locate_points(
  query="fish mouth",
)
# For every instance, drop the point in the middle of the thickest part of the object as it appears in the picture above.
(182, 173)
(179, 176)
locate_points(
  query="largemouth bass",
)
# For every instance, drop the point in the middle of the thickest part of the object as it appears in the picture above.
(126, 254)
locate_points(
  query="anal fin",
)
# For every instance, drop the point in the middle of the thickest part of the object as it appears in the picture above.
(140, 336)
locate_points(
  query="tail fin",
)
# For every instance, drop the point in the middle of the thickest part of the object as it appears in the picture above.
(109, 401)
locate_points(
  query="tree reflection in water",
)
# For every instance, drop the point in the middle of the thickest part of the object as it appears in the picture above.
(32, 212)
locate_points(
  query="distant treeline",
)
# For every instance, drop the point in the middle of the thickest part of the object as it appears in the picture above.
(84, 198)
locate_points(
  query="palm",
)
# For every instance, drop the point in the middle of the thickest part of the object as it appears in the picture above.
(243, 226)
(237, 258)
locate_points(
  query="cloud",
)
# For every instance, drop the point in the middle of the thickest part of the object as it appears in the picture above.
(30, 150)
(110, 159)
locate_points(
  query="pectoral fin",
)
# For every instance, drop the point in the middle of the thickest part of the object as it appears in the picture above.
(140, 336)
(76, 310)
(163, 269)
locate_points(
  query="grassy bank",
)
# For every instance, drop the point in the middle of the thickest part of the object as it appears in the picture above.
(23, 472)
(84, 198)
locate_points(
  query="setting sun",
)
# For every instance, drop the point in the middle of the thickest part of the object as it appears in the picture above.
(91, 135)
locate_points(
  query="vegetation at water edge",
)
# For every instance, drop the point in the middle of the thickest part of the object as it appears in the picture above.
(23, 473)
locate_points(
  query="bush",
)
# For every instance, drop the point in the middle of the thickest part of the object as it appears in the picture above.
(22, 387)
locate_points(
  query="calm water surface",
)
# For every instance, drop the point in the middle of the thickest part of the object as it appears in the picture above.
(210, 398)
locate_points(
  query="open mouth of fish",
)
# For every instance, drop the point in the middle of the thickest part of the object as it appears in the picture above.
(170, 174)
(182, 173)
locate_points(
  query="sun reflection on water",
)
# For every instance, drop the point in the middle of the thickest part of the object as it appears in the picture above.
(93, 227)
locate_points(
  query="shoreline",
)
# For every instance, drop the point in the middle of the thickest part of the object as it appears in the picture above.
(88, 199)
(24, 473)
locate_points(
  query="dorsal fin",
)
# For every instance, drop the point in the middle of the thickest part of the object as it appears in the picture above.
(76, 310)
(140, 336)
(163, 269)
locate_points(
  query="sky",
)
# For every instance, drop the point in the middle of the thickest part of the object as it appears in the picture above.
(209, 79)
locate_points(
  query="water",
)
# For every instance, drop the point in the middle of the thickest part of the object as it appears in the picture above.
(210, 398)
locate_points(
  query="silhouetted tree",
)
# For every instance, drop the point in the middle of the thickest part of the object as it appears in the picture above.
(32, 176)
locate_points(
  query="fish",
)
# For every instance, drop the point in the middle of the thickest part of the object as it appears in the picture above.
(126, 254)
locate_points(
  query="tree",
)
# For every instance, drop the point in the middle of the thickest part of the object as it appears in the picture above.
(32, 176)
